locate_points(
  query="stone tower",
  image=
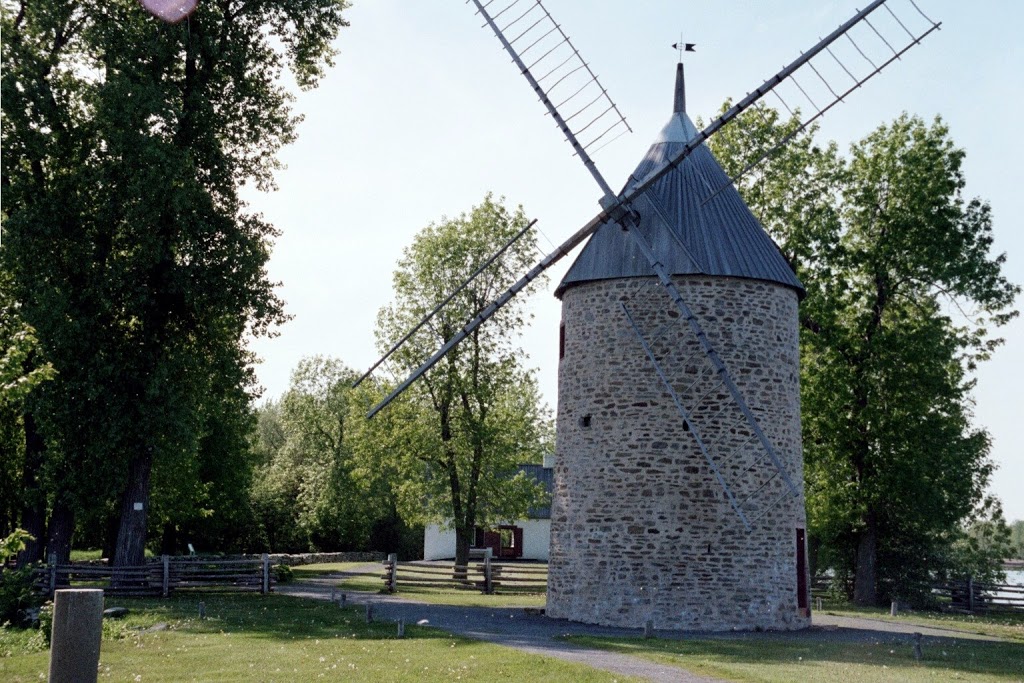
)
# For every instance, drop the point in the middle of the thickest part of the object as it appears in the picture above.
(641, 530)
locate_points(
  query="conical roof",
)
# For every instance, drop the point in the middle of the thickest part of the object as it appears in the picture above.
(690, 234)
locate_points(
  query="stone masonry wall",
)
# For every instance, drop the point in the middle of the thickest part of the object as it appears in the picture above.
(641, 529)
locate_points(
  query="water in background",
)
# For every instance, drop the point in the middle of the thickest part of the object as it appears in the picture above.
(1014, 577)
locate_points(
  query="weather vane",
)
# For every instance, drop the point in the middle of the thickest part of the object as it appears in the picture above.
(684, 47)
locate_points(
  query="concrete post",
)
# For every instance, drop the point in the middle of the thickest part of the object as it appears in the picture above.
(77, 629)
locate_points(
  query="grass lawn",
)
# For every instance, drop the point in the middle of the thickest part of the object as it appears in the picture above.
(95, 554)
(306, 571)
(436, 596)
(249, 637)
(771, 658)
(1008, 626)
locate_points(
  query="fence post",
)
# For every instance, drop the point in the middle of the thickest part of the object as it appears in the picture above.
(53, 572)
(166, 561)
(393, 573)
(488, 577)
(970, 594)
(266, 574)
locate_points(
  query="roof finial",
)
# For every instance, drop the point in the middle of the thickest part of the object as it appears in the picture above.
(680, 99)
(680, 95)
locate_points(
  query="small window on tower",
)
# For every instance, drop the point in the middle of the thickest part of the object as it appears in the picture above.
(561, 341)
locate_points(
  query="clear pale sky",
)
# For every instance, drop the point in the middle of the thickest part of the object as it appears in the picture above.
(423, 114)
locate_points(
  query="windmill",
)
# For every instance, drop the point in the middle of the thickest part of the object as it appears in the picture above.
(678, 494)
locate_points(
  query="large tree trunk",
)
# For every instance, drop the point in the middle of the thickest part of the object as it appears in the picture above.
(61, 528)
(169, 539)
(33, 515)
(131, 535)
(109, 550)
(865, 580)
(463, 540)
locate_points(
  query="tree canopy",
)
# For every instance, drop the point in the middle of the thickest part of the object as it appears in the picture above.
(903, 296)
(128, 250)
(458, 433)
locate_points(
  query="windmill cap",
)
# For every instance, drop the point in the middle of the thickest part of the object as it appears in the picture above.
(695, 220)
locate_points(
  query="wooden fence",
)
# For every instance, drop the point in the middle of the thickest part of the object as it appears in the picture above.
(160, 578)
(966, 595)
(977, 597)
(485, 576)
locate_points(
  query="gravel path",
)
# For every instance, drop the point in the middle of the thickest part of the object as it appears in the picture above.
(530, 631)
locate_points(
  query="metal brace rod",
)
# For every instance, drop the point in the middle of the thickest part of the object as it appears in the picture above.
(423, 321)
(614, 208)
(686, 417)
(820, 113)
(558, 254)
(709, 351)
(563, 126)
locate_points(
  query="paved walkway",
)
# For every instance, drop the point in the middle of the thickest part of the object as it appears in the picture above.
(529, 631)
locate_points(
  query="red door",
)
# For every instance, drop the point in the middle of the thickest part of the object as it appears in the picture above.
(803, 600)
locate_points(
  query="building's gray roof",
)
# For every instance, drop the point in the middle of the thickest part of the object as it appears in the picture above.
(541, 475)
(719, 237)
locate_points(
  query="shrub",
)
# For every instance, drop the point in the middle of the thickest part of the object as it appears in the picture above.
(283, 573)
(16, 594)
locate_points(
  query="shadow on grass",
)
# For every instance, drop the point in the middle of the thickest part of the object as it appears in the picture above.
(269, 616)
(783, 652)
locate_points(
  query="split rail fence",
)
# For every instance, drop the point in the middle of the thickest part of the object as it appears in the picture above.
(966, 595)
(977, 597)
(160, 578)
(485, 576)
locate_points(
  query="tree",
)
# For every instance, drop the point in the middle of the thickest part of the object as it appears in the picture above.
(901, 296)
(19, 375)
(457, 434)
(1017, 539)
(313, 491)
(980, 547)
(125, 143)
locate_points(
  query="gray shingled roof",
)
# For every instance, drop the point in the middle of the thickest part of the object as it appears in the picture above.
(720, 237)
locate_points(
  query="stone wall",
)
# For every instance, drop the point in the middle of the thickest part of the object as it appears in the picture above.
(641, 530)
(293, 560)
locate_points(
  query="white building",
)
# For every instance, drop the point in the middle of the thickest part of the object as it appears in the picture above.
(521, 539)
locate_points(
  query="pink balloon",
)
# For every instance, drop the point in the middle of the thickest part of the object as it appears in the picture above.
(171, 11)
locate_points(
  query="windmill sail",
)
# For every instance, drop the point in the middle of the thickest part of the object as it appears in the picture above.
(567, 79)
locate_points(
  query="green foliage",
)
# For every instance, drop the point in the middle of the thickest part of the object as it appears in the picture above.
(902, 298)
(283, 573)
(453, 440)
(20, 373)
(46, 621)
(12, 544)
(981, 546)
(1017, 539)
(126, 245)
(15, 584)
(312, 490)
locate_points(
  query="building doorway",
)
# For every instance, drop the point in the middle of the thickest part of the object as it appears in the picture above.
(505, 541)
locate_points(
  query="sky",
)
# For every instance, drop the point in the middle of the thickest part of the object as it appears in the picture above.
(423, 114)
